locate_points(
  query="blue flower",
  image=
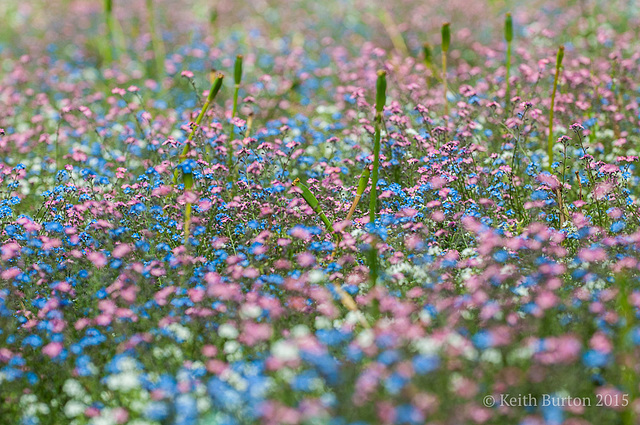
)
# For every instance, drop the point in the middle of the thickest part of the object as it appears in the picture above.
(187, 166)
(618, 226)
(395, 383)
(32, 340)
(501, 256)
(423, 364)
(593, 358)
(482, 340)
(304, 381)
(156, 411)
(408, 414)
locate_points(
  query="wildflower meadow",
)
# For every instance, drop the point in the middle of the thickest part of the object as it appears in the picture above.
(340, 212)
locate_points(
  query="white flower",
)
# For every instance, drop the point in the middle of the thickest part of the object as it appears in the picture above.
(251, 310)
(322, 323)
(231, 347)
(491, 355)
(316, 276)
(123, 381)
(427, 345)
(73, 388)
(73, 408)
(181, 332)
(365, 338)
(228, 331)
(284, 350)
(127, 364)
(299, 330)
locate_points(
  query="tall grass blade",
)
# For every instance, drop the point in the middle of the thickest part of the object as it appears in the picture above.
(559, 57)
(508, 36)
(381, 98)
(156, 42)
(446, 41)
(362, 185)
(313, 202)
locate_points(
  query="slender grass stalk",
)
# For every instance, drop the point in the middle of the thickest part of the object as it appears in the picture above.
(427, 53)
(213, 91)
(187, 179)
(381, 98)
(115, 41)
(156, 42)
(559, 57)
(108, 14)
(349, 303)
(446, 41)
(362, 185)
(237, 79)
(312, 201)
(394, 33)
(508, 36)
(247, 132)
(213, 20)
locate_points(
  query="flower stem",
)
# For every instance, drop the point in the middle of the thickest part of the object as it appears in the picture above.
(559, 57)
(381, 97)
(362, 185)
(108, 14)
(508, 36)
(446, 41)
(213, 91)
(156, 42)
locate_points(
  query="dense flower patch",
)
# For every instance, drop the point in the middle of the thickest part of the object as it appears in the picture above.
(161, 262)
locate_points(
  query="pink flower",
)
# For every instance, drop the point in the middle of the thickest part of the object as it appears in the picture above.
(601, 343)
(255, 332)
(546, 300)
(121, 250)
(549, 180)
(52, 349)
(306, 259)
(98, 259)
(595, 254)
(10, 250)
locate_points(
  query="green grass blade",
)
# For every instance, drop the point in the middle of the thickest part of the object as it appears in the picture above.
(559, 58)
(362, 185)
(381, 97)
(312, 201)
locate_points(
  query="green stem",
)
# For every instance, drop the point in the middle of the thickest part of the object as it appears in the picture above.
(362, 185)
(444, 82)
(381, 97)
(187, 223)
(508, 91)
(553, 101)
(235, 100)
(237, 79)
(213, 91)
(313, 202)
(156, 43)
(446, 41)
(108, 13)
(508, 36)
